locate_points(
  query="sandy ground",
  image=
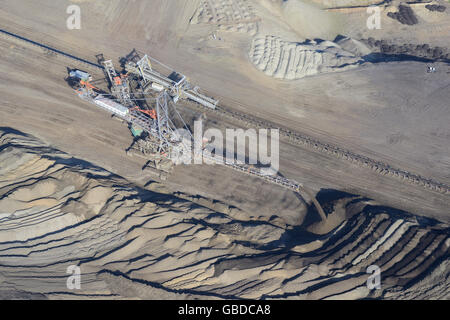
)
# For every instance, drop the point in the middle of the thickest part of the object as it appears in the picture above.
(71, 125)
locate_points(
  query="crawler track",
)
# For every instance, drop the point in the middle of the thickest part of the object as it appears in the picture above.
(292, 136)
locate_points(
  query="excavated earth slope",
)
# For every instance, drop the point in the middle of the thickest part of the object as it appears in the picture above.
(57, 211)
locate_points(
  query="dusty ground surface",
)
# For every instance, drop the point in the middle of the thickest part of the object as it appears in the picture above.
(391, 111)
(147, 243)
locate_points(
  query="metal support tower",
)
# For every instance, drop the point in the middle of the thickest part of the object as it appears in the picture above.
(110, 70)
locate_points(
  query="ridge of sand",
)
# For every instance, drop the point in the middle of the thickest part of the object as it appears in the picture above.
(227, 15)
(290, 60)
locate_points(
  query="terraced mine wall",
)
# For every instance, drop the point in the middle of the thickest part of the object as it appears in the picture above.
(293, 136)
